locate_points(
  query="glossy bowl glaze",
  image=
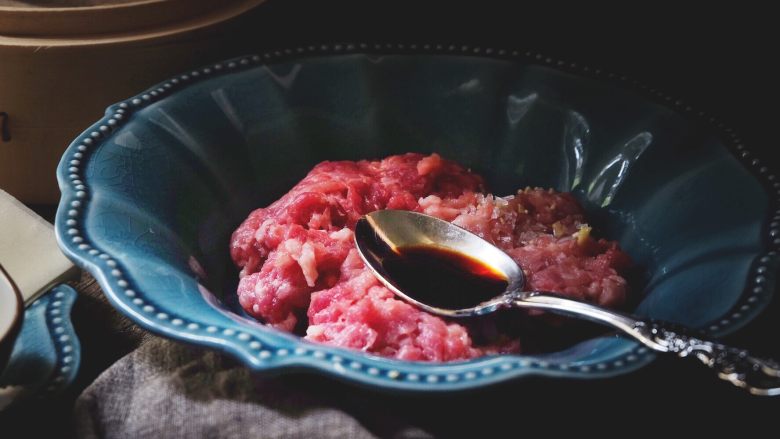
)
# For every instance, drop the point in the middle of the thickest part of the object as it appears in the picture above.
(46, 354)
(152, 191)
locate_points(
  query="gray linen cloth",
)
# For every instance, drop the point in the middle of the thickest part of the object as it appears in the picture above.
(166, 389)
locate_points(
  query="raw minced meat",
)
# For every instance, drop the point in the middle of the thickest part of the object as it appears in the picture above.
(299, 265)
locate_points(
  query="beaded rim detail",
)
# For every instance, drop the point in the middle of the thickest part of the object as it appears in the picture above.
(59, 302)
(53, 310)
(259, 351)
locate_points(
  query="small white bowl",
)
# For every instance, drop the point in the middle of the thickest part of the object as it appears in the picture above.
(11, 311)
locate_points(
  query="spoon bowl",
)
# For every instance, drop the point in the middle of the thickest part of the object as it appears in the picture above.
(382, 234)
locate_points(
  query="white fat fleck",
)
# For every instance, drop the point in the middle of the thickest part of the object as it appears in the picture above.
(263, 230)
(344, 234)
(308, 263)
(292, 246)
(501, 202)
(314, 331)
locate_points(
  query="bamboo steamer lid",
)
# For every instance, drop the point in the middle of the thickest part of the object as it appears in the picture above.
(60, 67)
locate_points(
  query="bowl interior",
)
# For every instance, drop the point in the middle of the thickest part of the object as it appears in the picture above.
(167, 188)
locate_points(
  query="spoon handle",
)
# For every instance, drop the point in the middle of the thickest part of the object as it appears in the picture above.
(757, 376)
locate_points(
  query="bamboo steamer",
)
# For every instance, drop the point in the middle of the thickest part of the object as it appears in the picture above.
(60, 68)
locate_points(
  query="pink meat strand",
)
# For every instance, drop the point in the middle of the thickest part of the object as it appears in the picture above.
(298, 263)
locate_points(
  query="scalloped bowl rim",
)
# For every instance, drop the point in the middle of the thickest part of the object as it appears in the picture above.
(352, 366)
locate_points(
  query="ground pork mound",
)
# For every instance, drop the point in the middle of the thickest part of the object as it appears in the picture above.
(299, 266)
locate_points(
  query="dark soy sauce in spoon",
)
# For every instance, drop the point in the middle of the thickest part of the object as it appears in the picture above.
(442, 277)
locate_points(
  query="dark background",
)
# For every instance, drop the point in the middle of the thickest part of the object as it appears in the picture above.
(718, 61)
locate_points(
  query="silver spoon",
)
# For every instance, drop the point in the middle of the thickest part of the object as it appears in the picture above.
(385, 231)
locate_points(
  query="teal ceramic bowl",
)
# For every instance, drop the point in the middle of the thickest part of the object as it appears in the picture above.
(153, 190)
